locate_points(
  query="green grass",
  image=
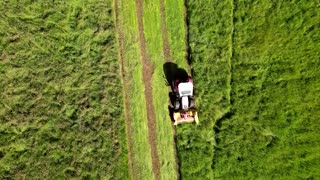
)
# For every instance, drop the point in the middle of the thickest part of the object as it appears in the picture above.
(164, 130)
(256, 74)
(61, 114)
(142, 167)
(176, 27)
(256, 70)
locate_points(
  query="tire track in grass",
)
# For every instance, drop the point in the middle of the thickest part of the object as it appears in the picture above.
(165, 39)
(168, 58)
(147, 79)
(120, 33)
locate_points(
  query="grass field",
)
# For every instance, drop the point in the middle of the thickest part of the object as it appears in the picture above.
(261, 62)
(83, 92)
(176, 27)
(153, 51)
(61, 113)
(164, 129)
(128, 26)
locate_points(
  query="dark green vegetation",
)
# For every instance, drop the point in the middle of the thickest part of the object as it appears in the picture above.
(60, 94)
(256, 68)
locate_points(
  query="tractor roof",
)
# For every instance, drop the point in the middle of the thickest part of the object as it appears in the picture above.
(185, 89)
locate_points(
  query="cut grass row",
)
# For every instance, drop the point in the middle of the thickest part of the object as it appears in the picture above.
(141, 157)
(176, 28)
(60, 103)
(164, 130)
(154, 51)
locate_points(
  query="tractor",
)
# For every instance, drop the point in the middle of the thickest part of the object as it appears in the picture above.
(183, 101)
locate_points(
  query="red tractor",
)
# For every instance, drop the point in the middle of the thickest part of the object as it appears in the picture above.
(183, 103)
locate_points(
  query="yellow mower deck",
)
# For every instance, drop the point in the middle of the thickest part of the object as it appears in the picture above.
(192, 116)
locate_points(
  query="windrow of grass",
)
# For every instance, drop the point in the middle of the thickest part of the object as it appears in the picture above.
(61, 112)
(164, 129)
(271, 104)
(142, 163)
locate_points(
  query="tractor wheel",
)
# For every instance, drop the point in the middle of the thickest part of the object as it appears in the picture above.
(191, 103)
(172, 86)
(177, 105)
(170, 104)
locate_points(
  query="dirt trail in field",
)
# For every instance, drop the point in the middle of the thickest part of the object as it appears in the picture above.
(120, 33)
(168, 58)
(147, 79)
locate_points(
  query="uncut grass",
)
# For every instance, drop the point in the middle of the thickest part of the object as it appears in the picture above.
(275, 87)
(142, 163)
(164, 130)
(209, 42)
(60, 108)
(270, 128)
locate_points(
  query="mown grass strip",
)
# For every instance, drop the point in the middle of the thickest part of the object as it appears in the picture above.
(176, 27)
(141, 162)
(148, 69)
(154, 41)
(126, 99)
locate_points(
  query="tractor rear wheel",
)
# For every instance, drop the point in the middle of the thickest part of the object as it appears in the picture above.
(191, 103)
(177, 105)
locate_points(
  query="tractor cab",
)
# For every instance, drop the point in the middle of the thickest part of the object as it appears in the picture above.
(184, 107)
(185, 92)
(185, 89)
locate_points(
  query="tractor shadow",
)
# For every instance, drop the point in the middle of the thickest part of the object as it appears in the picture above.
(172, 72)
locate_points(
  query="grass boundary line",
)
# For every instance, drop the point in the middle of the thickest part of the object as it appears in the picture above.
(187, 39)
(120, 41)
(168, 58)
(231, 40)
